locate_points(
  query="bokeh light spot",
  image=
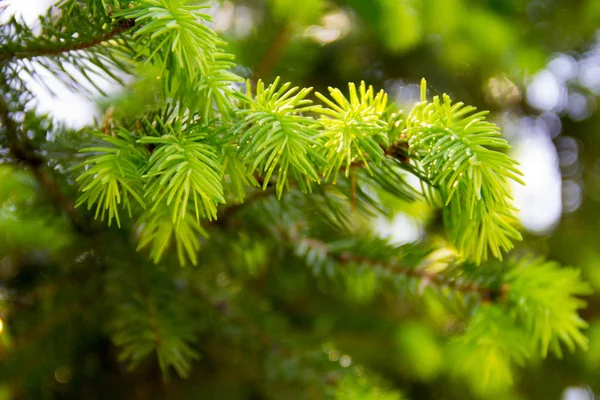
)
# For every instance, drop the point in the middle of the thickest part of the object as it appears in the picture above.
(62, 375)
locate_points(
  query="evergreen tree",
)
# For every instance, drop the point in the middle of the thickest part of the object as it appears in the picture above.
(213, 236)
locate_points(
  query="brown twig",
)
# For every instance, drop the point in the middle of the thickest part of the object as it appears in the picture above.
(273, 54)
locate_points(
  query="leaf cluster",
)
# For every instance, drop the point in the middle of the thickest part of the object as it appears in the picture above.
(457, 151)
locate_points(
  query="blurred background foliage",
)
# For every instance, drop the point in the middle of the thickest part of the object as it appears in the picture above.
(535, 64)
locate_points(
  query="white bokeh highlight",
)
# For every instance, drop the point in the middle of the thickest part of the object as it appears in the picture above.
(546, 92)
(402, 229)
(72, 109)
(539, 201)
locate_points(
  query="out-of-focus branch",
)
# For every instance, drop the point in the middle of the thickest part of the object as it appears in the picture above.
(485, 293)
(22, 151)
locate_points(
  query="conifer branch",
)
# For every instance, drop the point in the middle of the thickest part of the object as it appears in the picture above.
(486, 294)
(347, 257)
(35, 51)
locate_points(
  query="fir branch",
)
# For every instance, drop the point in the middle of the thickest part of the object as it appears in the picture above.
(150, 308)
(184, 169)
(485, 293)
(395, 267)
(353, 128)
(74, 43)
(489, 349)
(546, 299)
(460, 152)
(34, 51)
(222, 143)
(158, 230)
(275, 136)
(169, 34)
(150, 318)
(113, 175)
